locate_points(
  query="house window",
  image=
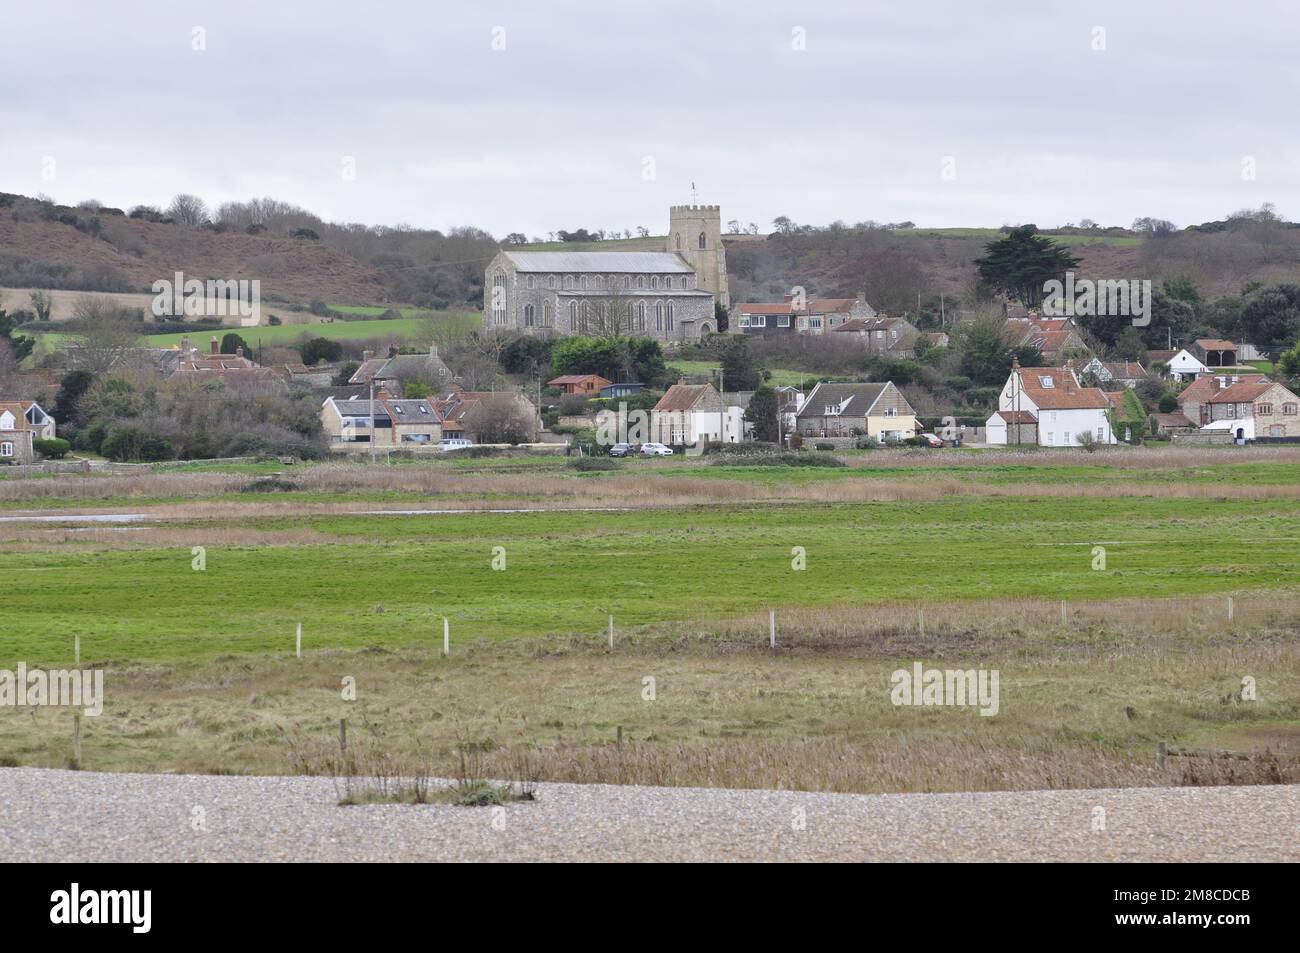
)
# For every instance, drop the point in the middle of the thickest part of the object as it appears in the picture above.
(573, 316)
(640, 281)
(6, 449)
(530, 281)
(659, 315)
(783, 320)
(654, 281)
(891, 411)
(816, 323)
(548, 314)
(627, 282)
(1065, 437)
(582, 282)
(668, 324)
(701, 239)
(550, 282)
(744, 320)
(1290, 408)
(1101, 434)
(1046, 382)
(640, 315)
(1264, 410)
(530, 316)
(499, 298)
(758, 321)
(568, 281)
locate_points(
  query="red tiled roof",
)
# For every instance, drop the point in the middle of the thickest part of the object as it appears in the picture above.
(1206, 386)
(577, 379)
(1240, 393)
(1016, 416)
(1215, 344)
(1064, 392)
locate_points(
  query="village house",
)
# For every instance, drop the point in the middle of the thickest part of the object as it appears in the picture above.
(1049, 405)
(1128, 373)
(480, 416)
(396, 423)
(1057, 339)
(1182, 364)
(881, 335)
(22, 422)
(816, 316)
(879, 411)
(583, 385)
(688, 414)
(1249, 410)
(1194, 401)
(391, 373)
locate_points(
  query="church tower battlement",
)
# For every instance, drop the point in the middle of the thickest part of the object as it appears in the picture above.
(695, 233)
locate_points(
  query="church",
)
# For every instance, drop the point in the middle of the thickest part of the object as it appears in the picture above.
(668, 295)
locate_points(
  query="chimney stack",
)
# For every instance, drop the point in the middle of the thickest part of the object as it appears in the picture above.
(367, 355)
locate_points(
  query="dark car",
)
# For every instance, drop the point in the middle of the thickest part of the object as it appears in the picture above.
(620, 450)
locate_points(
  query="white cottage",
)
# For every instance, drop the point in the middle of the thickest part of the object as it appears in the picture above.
(1048, 407)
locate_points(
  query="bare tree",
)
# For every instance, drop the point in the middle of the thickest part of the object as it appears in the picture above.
(502, 418)
(105, 333)
(188, 209)
(42, 304)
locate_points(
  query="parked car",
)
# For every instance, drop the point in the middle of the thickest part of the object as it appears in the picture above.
(933, 439)
(620, 450)
(655, 450)
(455, 443)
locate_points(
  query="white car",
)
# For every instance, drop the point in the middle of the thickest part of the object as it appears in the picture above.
(655, 450)
(455, 443)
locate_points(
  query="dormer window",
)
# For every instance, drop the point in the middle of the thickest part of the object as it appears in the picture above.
(1046, 382)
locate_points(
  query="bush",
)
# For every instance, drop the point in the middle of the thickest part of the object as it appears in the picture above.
(827, 447)
(591, 464)
(1168, 404)
(132, 444)
(54, 448)
(781, 460)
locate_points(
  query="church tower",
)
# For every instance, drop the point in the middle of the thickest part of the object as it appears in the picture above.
(695, 233)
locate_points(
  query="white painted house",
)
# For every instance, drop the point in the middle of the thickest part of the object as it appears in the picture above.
(1048, 407)
(1185, 366)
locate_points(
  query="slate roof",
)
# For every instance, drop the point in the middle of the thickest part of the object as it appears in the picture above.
(621, 262)
(854, 399)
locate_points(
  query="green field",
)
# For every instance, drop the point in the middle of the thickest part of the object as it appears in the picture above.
(780, 376)
(415, 330)
(689, 557)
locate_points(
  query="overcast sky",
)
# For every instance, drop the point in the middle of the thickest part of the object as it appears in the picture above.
(559, 128)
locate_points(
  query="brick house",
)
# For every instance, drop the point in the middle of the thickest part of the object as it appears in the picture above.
(816, 316)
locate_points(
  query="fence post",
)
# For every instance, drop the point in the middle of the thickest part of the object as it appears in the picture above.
(76, 649)
(1229, 608)
(343, 735)
(298, 644)
(1161, 751)
(920, 620)
(76, 737)
(771, 628)
(1064, 613)
(446, 636)
(611, 633)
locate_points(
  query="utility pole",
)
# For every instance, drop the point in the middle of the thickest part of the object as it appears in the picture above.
(722, 407)
(372, 416)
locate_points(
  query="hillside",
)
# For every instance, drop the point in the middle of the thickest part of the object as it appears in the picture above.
(60, 247)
